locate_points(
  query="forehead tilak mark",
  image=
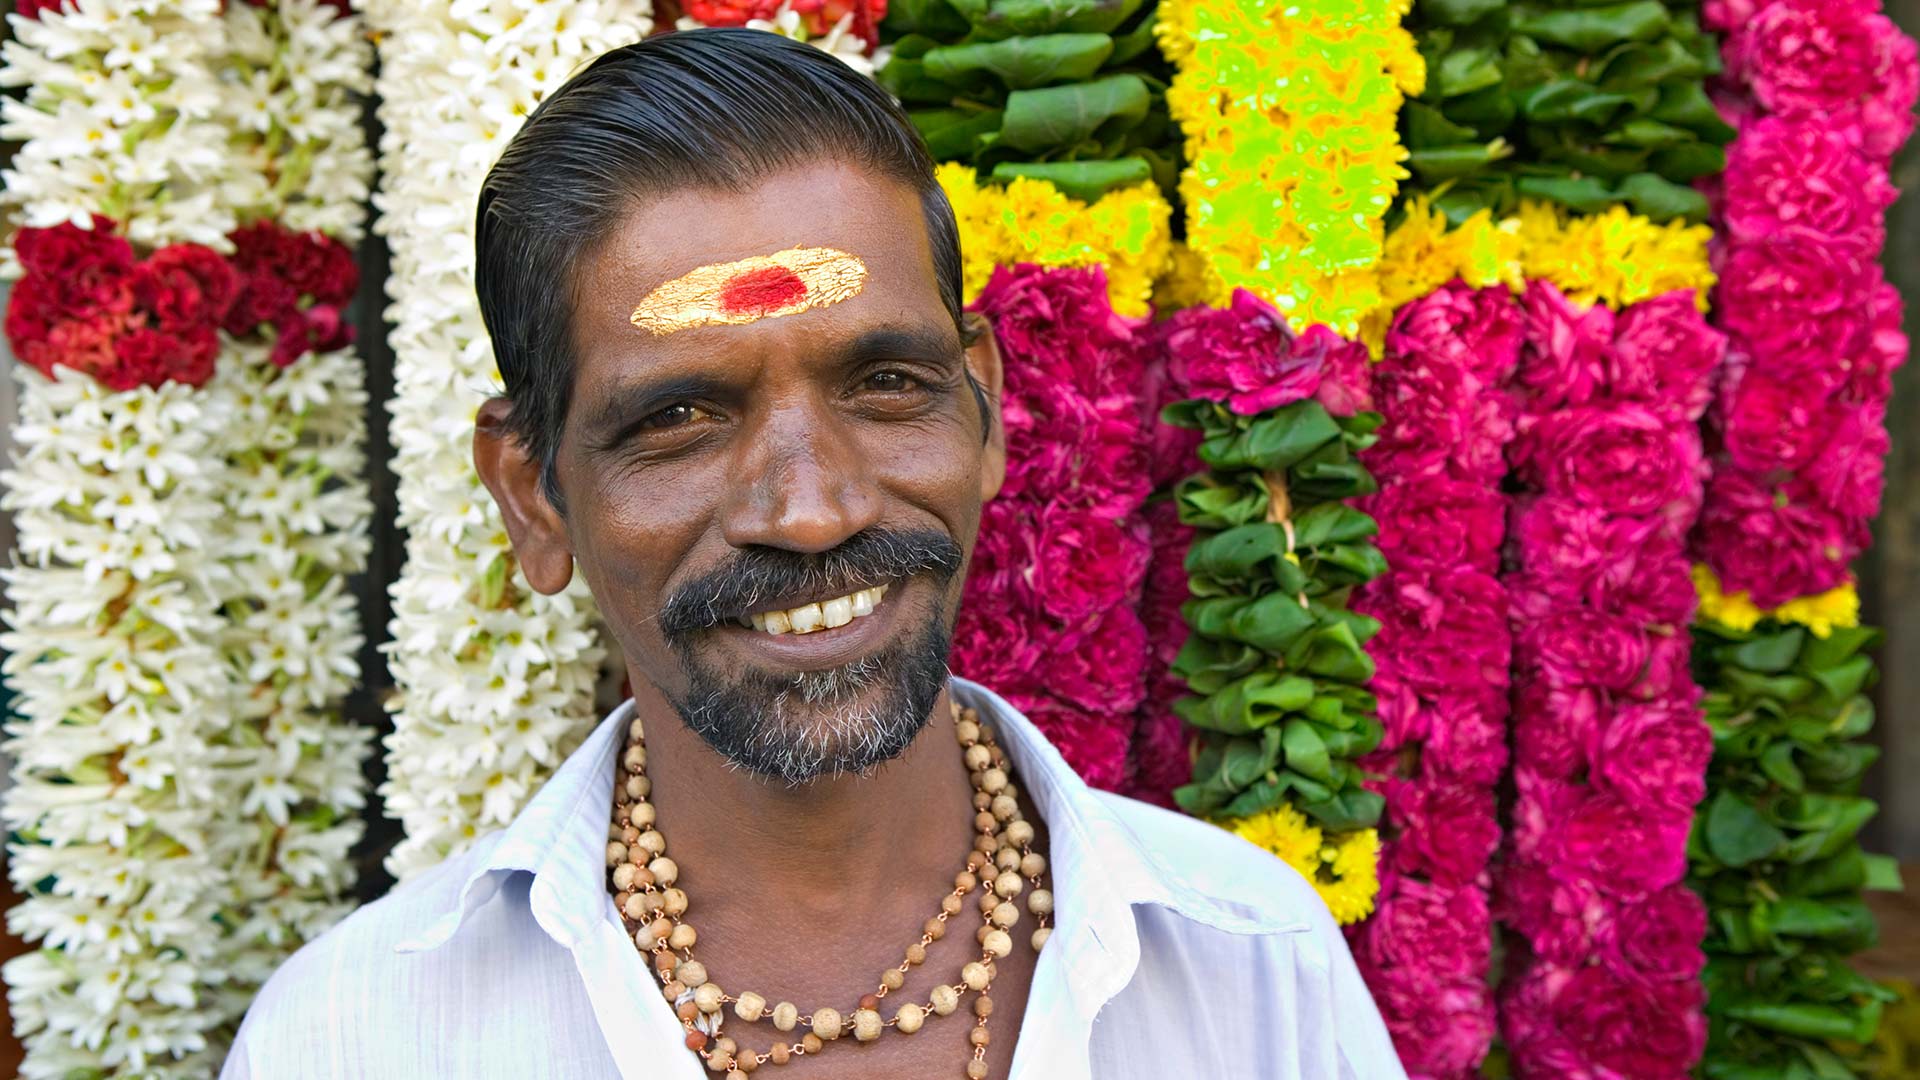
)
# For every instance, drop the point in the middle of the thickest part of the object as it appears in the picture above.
(748, 290)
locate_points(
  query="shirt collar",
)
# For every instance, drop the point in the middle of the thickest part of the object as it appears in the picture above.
(1100, 867)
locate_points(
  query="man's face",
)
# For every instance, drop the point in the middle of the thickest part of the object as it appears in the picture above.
(726, 481)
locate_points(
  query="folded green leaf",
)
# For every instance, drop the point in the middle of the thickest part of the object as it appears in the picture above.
(1736, 833)
(1084, 180)
(1590, 29)
(1061, 117)
(1021, 62)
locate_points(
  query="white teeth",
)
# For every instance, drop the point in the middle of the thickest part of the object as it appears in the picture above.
(825, 615)
(805, 618)
(837, 612)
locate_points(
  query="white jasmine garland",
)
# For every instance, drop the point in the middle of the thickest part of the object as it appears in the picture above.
(180, 638)
(495, 682)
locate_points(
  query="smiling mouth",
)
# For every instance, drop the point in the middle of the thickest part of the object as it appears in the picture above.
(815, 617)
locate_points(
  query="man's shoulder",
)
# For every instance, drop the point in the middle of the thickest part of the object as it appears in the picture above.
(1210, 864)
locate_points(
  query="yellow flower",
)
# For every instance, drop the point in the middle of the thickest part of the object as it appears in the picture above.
(1614, 258)
(1030, 221)
(1343, 869)
(1820, 613)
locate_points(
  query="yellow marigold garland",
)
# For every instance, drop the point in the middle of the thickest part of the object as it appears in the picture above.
(1031, 221)
(1616, 258)
(1342, 868)
(1294, 156)
(1821, 613)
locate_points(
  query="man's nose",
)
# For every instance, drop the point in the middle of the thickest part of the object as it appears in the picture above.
(803, 483)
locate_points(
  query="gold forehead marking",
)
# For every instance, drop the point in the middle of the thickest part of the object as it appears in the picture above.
(748, 290)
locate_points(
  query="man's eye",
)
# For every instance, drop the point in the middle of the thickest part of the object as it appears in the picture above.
(674, 416)
(890, 382)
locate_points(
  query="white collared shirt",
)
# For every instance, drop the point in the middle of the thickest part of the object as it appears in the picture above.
(1178, 950)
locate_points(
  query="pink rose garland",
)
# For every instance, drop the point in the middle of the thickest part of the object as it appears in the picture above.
(1823, 93)
(1443, 655)
(1049, 615)
(1610, 749)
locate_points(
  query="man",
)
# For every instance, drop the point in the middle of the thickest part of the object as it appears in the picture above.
(743, 401)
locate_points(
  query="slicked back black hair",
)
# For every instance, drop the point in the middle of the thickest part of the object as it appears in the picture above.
(713, 108)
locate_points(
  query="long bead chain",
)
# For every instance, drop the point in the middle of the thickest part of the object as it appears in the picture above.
(1001, 866)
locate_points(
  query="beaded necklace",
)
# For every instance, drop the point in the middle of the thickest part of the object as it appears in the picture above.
(1001, 865)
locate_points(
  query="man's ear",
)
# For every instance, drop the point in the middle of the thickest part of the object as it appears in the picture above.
(538, 531)
(983, 363)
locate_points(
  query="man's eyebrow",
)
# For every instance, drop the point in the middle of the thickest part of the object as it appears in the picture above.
(902, 343)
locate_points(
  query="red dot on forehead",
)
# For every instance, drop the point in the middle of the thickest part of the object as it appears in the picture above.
(766, 289)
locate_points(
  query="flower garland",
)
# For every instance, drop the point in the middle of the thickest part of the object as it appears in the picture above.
(1443, 653)
(1127, 232)
(495, 681)
(846, 30)
(1289, 178)
(1275, 658)
(1587, 107)
(1049, 616)
(1053, 90)
(1609, 748)
(189, 509)
(1823, 96)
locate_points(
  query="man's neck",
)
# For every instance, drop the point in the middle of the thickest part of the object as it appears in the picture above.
(845, 849)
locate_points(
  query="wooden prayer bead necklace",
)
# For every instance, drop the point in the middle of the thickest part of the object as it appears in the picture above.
(1001, 864)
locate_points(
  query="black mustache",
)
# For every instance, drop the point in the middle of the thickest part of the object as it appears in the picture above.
(744, 583)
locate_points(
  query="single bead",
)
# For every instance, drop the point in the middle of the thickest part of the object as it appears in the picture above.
(686, 1011)
(1004, 808)
(867, 1025)
(978, 758)
(635, 906)
(635, 759)
(985, 822)
(980, 933)
(950, 904)
(664, 961)
(673, 902)
(642, 877)
(965, 881)
(976, 1069)
(997, 942)
(979, 1037)
(691, 972)
(869, 1001)
(985, 845)
(1006, 858)
(696, 1040)
(650, 902)
(978, 860)
(655, 932)
(893, 979)
(909, 1018)
(707, 996)
(975, 975)
(653, 842)
(641, 815)
(1019, 833)
(616, 853)
(934, 929)
(1033, 864)
(779, 1054)
(639, 787)
(968, 732)
(673, 988)
(916, 954)
(682, 937)
(719, 1062)
(1040, 937)
(1005, 914)
(993, 781)
(983, 1006)
(1040, 902)
(945, 999)
(750, 1006)
(726, 1046)
(826, 1023)
(785, 1016)
(746, 1062)
(623, 876)
(613, 830)
(987, 902)
(811, 1043)
(630, 836)
(1009, 884)
(665, 871)
(982, 800)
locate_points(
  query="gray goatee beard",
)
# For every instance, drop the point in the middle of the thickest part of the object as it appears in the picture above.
(800, 727)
